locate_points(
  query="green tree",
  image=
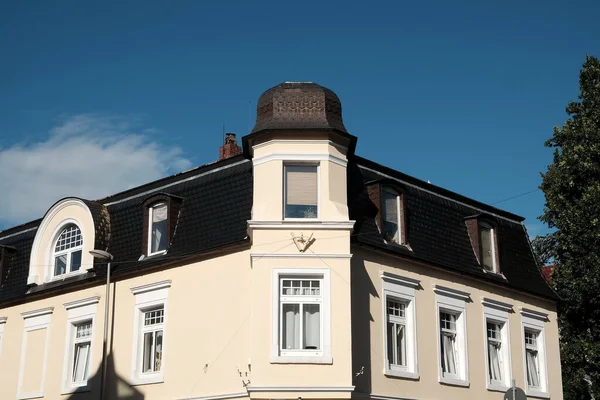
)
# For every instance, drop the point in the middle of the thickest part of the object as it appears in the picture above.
(572, 189)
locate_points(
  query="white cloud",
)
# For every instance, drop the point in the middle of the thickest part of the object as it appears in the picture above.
(88, 156)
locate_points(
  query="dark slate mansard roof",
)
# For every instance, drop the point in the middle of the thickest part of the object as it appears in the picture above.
(217, 203)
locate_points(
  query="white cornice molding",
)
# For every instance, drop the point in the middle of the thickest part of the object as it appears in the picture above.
(487, 302)
(449, 292)
(37, 313)
(151, 286)
(300, 157)
(339, 225)
(300, 141)
(219, 396)
(80, 303)
(3, 320)
(400, 280)
(300, 389)
(377, 396)
(300, 255)
(529, 313)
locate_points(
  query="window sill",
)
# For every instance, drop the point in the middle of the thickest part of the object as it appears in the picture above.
(401, 374)
(33, 395)
(76, 389)
(147, 380)
(301, 360)
(157, 254)
(537, 393)
(63, 277)
(454, 381)
(497, 387)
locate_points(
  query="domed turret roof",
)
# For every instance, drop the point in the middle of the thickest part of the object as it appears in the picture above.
(299, 105)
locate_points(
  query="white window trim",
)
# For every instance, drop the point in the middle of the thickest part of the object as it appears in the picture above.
(497, 312)
(401, 288)
(453, 300)
(50, 277)
(284, 194)
(78, 312)
(492, 245)
(326, 358)
(149, 233)
(147, 297)
(535, 320)
(2, 324)
(33, 321)
(398, 215)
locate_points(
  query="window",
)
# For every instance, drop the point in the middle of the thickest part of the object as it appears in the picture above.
(79, 344)
(82, 343)
(391, 216)
(534, 352)
(149, 336)
(399, 325)
(487, 244)
(497, 344)
(531, 359)
(157, 240)
(152, 333)
(68, 250)
(452, 342)
(301, 191)
(301, 304)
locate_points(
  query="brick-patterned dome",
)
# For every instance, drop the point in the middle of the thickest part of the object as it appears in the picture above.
(299, 105)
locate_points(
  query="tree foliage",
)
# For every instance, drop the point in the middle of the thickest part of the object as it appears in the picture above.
(572, 189)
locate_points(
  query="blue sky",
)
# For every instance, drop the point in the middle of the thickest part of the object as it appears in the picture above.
(96, 97)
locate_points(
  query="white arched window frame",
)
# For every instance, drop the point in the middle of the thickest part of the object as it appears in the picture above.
(67, 250)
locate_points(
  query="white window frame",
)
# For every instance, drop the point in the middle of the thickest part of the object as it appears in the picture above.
(453, 301)
(398, 210)
(322, 356)
(78, 312)
(33, 321)
(2, 325)
(535, 321)
(401, 289)
(284, 194)
(148, 297)
(485, 225)
(51, 267)
(149, 233)
(497, 312)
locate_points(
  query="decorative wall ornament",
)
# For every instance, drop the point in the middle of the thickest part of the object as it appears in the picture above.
(301, 242)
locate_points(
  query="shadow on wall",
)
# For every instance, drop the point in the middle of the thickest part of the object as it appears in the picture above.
(362, 291)
(117, 388)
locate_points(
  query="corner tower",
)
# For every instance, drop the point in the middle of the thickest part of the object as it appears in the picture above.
(300, 255)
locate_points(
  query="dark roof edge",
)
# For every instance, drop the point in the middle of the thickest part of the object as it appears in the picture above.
(16, 230)
(535, 259)
(429, 264)
(437, 190)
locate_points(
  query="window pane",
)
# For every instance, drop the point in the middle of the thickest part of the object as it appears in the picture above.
(495, 372)
(290, 326)
(301, 191)
(148, 349)
(154, 317)
(60, 265)
(158, 351)
(390, 342)
(390, 216)
(533, 376)
(81, 361)
(487, 255)
(75, 260)
(400, 345)
(158, 241)
(448, 347)
(70, 237)
(396, 308)
(83, 330)
(312, 326)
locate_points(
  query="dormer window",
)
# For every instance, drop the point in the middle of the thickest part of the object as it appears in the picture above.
(301, 191)
(391, 222)
(157, 240)
(68, 250)
(161, 213)
(487, 246)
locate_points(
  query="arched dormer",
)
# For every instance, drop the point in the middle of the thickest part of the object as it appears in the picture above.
(69, 230)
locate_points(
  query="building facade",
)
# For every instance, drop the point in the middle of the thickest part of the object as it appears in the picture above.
(291, 268)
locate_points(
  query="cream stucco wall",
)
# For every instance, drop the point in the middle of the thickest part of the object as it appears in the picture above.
(368, 325)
